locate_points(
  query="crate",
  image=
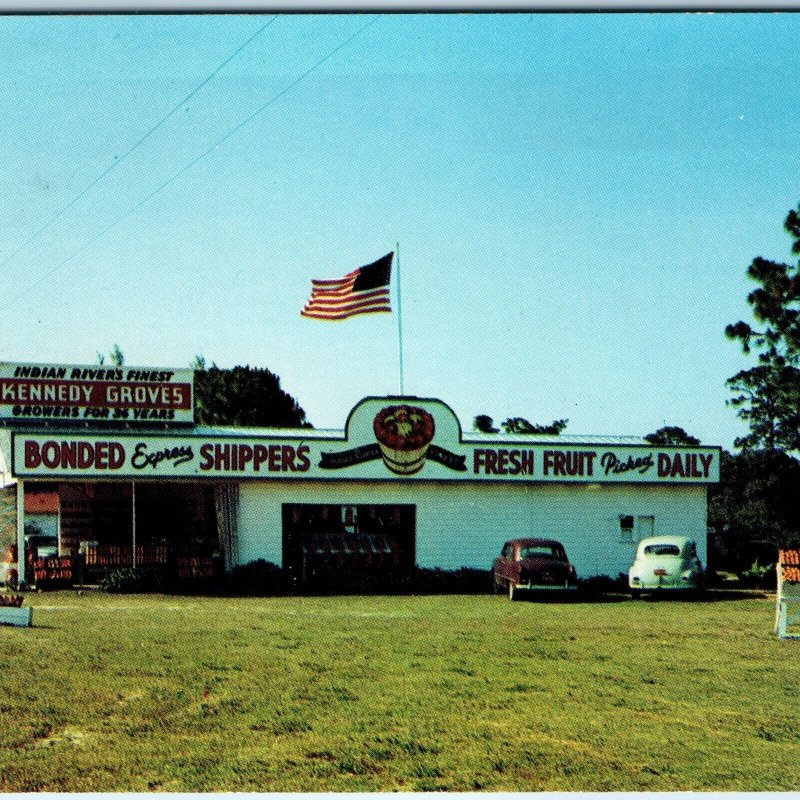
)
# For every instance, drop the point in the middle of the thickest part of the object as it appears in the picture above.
(195, 567)
(787, 610)
(53, 572)
(121, 555)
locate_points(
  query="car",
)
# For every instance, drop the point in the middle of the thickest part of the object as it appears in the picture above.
(533, 564)
(665, 563)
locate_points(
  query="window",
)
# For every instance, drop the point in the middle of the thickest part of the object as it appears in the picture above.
(547, 550)
(626, 528)
(662, 550)
(645, 526)
(636, 528)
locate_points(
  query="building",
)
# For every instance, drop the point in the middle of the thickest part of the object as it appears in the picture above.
(401, 485)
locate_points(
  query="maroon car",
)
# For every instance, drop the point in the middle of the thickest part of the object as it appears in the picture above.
(533, 564)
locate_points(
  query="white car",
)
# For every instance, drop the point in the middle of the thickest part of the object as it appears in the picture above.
(667, 563)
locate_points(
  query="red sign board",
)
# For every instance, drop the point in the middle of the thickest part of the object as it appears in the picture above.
(44, 392)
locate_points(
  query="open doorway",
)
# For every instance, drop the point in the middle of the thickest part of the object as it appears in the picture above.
(330, 547)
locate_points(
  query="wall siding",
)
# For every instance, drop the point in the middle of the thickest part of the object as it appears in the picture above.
(466, 524)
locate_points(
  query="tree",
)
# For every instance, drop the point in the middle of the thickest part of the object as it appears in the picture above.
(768, 399)
(767, 396)
(247, 396)
(484, 424)
(521, 425)
(669, 436)
(754, 507)
(115, 357)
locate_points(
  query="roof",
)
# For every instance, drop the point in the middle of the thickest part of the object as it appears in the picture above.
(538, 438)
(322, 433)
(532, 540)
(667, 539)
(790, 574)
(269, 433)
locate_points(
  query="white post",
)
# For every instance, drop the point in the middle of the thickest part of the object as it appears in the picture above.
(399, 316)
(58, 521)
(133, 526)
(20, 532)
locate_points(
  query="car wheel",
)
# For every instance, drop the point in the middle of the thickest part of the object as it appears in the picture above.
(497, 587)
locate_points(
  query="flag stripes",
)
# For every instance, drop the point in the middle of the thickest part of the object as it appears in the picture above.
(362, 291)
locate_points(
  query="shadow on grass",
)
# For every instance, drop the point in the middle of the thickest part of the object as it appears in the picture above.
(569, 598)
(707, 596)
(592, 597)
(726, 595)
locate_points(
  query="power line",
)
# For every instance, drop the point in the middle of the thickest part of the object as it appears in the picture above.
(194, 161)
(197, 158)
(114, 164)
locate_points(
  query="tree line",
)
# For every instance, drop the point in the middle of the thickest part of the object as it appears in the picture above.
(238, 396)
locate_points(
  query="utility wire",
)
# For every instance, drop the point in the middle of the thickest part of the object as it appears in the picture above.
(202, 155)
(114, 164)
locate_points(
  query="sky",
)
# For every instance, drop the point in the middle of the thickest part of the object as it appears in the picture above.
(576, 199)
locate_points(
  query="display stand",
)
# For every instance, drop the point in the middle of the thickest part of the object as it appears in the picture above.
(787, 611)
(12, 613)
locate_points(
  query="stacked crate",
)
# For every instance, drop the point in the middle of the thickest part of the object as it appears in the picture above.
(53, 572)
(787, 612)
(195, 567)
(121, 555)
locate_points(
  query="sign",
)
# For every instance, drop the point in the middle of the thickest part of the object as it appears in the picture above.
(385, 438)
(47, 392)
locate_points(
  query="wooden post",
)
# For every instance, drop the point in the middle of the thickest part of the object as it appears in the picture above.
(58, 520)
(20, 533)
(133, 525)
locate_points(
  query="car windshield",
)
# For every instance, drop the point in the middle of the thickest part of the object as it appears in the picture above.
(539, 550)
(662, 550)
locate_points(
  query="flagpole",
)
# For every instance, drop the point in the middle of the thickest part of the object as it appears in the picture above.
(399, 316)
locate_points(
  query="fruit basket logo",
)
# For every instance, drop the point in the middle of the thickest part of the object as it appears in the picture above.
(404, 434)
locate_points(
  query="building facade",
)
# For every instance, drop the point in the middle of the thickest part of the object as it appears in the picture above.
(400, 486)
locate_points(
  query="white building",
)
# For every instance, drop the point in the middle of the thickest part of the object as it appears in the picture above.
(401, 485)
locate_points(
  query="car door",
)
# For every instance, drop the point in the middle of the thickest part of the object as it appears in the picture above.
(502, 565)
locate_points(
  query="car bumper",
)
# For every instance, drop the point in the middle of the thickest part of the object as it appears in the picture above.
(546, 587)
(669, 585)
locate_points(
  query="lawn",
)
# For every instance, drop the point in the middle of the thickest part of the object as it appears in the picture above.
(151, 692)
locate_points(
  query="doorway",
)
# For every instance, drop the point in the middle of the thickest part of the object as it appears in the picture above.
(331, 547)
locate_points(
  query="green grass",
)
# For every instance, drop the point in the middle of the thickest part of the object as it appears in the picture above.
(137, 693)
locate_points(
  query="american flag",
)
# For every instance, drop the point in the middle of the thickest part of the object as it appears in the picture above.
(362, 291)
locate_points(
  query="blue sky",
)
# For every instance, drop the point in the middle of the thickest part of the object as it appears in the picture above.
(576, 197)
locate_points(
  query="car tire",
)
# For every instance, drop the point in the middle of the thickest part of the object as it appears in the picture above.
(497, 587)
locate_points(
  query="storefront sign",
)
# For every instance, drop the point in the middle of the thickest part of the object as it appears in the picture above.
(419, 440)
(46, 392)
